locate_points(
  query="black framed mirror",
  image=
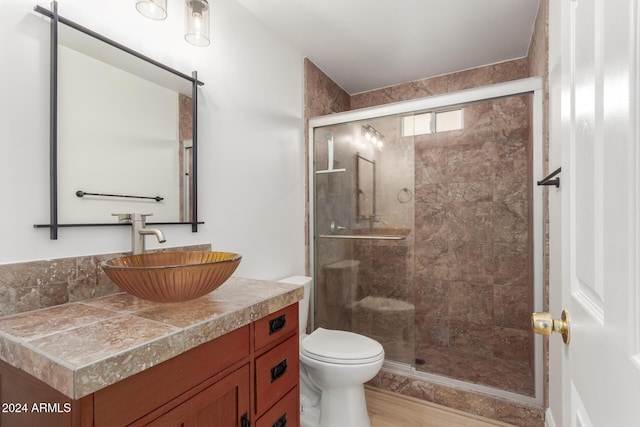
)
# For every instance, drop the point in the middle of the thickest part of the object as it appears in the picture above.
(131, 145)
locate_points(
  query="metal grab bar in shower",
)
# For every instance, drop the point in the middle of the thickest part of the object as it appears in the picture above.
(361, 237)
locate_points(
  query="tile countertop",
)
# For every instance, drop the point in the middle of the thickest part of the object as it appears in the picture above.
(79, 348)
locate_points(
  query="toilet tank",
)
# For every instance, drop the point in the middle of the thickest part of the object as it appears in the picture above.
(303, 304)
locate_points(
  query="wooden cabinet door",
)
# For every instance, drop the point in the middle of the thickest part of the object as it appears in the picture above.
(220, 405)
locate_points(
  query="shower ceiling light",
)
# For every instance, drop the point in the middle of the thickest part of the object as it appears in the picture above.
(152, 9)
(372, 135)
(196, 18)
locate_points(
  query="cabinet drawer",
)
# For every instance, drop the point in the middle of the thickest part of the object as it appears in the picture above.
(277, 372)
(276, 325)
(285, 413)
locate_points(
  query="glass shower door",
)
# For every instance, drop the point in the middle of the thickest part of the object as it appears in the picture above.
(363, 214)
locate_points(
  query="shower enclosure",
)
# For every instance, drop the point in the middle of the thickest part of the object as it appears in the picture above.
(426, 233)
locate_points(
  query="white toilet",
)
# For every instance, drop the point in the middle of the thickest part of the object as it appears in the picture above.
(334, 365)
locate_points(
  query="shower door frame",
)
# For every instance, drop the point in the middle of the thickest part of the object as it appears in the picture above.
(531, 85)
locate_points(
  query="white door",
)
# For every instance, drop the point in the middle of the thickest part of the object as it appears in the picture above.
(594, 227)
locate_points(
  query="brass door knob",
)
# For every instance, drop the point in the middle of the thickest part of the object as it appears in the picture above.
(544, 324)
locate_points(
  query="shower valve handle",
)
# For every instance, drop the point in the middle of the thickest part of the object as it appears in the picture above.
(335, 227)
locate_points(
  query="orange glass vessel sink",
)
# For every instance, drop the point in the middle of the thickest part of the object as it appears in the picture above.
(171, 276)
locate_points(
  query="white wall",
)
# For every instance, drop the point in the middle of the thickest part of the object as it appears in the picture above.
(251, 161)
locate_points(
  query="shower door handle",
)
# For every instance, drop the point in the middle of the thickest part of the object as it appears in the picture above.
(545, 324)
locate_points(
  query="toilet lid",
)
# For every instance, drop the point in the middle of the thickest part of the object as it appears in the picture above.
(341, 347)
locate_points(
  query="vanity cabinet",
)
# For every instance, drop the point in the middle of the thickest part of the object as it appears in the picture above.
(247, 377)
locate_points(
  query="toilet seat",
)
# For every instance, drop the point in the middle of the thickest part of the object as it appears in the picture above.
(341, 347)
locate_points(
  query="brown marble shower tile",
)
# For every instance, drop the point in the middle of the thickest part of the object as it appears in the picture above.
(456, 192)
(464, 401)
(390, 258)
(512, 307)
(469, 78)
(478, 369)
(512, 118)
(419, 89)
(513, 154)
(470, 162)
(430, 164)
(388, 286)
(519, 415)
(511, 181)
(441, 360)
(470, 262)
(372, 98)
(471, 302)
(323, 95)
(509, 70)
(513, 344)
(431, 221)
(439, 331)
(469, 222)
(432, 140)
(429, 174)
(403, 385)
(432, 259)
(511, 221)
(510, 264)
(478, 125)
(432, 296)
(426, 193)
(469, 337)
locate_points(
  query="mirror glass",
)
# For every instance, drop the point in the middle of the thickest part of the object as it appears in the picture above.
(366, 172)
(124, 135)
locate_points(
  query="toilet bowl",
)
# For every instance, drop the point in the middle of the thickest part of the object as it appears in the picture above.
(334, 365)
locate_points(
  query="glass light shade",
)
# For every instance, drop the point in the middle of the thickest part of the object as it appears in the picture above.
(196, 22)
(153, 9)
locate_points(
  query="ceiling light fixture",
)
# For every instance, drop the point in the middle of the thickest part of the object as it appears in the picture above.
(196, 18)
(372, 135)
(196, 22)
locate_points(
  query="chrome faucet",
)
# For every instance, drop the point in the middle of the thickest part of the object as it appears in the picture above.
(139, 230)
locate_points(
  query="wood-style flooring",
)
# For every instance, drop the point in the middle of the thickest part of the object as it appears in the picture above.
(388, 409)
